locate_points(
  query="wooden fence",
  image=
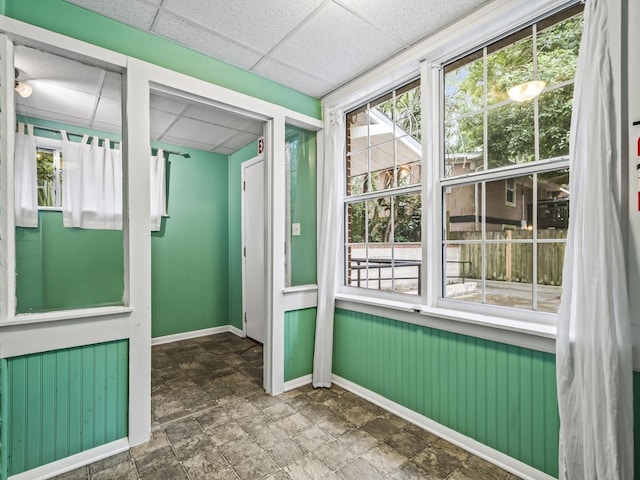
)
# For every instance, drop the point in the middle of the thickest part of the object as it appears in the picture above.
(508, 261)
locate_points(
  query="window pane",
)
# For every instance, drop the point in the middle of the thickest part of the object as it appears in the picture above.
(463, 212)
(550, 262)
(554, 121)
(509, 272)
(407, 268)
(382, 166)
(508, 66)
(407, 218)
(464, 144)
(558, 47)
(49, 177)
(357, 131)
(408, 113)
(507, 215)
(510, 136)
(464, 88)
(408, 153)
(357, 172)
(463, 272)
(381, 121)
(553, 204)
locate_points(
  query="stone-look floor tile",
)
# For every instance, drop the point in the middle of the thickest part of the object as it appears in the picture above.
(257, 466)
(336, 426)
(396, 421)
(380, 428)
(224, 434)
(411, 471)
(158, 440)
(182, 431)
(197, 445)
(200, 467)
(317, 413)
(313, 438)
(437, 462)
(237, 450)
(385, 459)
(156, 462)
(334, 455)
(173, 473)
(359, 441)
(213, 418)
(308, 468)
(358, 470)
(450, 449)
(466, 473)
(422, 434)
(406, 443)
(488, 469)
(279, 411)
(109, 462)
(358, 416)
(269, 435)
(294, 424)
(280, 475)
(81, 473)
(286, 452)
(242, 408)
(262, 400)
(122, 471)
(253, 423)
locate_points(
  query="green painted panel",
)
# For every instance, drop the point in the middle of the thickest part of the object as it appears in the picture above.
(190, 288)
(501, 395)
(302, 204)
(299, 339)
(4, 419)
(64, 402)
(68, 19)
(235, 230)
(59, 268)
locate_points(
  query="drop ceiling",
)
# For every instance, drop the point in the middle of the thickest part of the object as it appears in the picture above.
(85, 96)
(312, 46)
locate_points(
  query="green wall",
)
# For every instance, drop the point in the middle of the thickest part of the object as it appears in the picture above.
(59, 268)
(302, 204)
(501, 395)
(64, 402)
(235, 231)
(190, 288)
(68, 19)
(299, 338)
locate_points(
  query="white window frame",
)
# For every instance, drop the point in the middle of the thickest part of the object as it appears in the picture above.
(521, 327)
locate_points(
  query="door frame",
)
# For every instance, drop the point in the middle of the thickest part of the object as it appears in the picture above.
(249, 163)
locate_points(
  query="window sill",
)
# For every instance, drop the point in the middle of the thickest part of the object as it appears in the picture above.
(521, 333)
(301, 288)
(62, 315)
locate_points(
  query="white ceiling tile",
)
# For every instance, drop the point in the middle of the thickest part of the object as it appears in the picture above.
(292, 77)
(35, 65)
(167, 103)
(133, 12)
(224, 150)
(112, 87)
(160, 121)
(198, 38)
(53, 97)
(259, 24)
(218, 116)
(107, 128)
(108, 111)
(185, 142)
(33, 114)
(255, 126)
(200, 131)
(413, 21)
(335, 46)
(239, 140)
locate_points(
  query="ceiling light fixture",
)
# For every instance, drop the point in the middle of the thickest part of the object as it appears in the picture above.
(23, 89)
(526, 91)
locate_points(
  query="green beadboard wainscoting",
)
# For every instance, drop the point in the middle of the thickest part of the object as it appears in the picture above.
(501, 395)
(299, 339)
(74, 21)
(64, 402)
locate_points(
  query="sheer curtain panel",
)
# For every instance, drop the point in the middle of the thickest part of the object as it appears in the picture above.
(329, 246)
(26, 178)
(593, 345)
(158, 190)
(91, 184)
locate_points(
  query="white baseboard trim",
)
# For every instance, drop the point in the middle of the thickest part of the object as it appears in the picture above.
(297, 383)
(74, 461)
(510, 464)
(196, 333)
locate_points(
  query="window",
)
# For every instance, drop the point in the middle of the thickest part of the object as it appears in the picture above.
(383, 245)
(507, 113)
(49, 172)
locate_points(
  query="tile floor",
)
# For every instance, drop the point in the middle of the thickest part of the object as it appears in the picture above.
(211, 420)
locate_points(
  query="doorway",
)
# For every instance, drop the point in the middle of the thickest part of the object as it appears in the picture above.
(253, 260)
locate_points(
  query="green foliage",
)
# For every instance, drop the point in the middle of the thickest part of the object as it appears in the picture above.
(46, 178)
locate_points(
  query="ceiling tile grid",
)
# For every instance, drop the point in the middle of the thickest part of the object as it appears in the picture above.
(137, 13)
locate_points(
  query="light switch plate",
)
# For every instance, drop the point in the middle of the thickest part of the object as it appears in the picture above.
(295, 229)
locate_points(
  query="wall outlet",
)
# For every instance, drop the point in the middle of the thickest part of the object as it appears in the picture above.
(295, 229)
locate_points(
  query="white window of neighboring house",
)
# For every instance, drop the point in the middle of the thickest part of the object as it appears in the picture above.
(382, 206)
(507, 106)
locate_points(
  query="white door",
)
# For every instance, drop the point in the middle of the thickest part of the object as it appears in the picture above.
(254, 294)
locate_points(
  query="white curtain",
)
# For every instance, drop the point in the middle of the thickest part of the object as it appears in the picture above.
(329, 264)
(91, 184)
(158, 190)
(593, 346)
(26, 178)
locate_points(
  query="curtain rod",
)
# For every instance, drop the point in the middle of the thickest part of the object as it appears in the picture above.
(57, 130)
